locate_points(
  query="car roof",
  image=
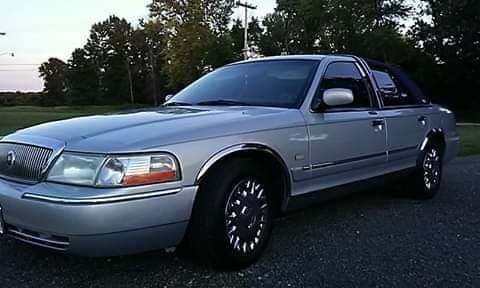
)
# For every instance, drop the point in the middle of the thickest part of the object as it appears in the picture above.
(298, 57)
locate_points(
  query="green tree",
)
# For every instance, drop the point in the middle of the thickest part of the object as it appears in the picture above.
(120, 64)
(451, 37)
(82, 78)
(333, 26)
(54, 73)
(237, 33)
(213, 14)
(276, 39)
(148, 44)
(189, 54)
(109, 46)
(198, 39)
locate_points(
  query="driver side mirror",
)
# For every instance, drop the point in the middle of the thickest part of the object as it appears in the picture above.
(334, 97)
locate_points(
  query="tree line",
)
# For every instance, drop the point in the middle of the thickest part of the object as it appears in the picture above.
(438, 42)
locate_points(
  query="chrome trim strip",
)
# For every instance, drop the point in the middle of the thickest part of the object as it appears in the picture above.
(304, 168)
(406, 149)
(28, 236)
(215, 158)
(242, 147)
(346, 161)
(424, 143)
(35, 243)
(430, 134)
(320, 165)
(2, 227)
(360, 68)
(96, 201)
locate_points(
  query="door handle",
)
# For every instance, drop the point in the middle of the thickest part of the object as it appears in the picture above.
(378, 122)
(422, 120)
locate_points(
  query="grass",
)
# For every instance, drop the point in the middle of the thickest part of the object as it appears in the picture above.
(14, 118)
(469, 140)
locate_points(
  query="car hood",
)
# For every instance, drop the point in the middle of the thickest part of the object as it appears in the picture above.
(146, 129)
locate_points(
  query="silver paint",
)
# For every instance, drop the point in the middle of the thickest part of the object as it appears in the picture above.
(199, 137)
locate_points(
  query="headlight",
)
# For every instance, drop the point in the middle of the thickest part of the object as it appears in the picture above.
(114, 171)
(76, 169)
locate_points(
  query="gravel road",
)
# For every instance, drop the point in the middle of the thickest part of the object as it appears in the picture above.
(371, 239)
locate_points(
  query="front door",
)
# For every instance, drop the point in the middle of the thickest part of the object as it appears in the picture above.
(347, 143)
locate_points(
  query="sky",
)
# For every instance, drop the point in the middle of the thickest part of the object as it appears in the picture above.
(37, 30)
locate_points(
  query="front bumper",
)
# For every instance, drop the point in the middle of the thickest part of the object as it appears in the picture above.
(116, 225)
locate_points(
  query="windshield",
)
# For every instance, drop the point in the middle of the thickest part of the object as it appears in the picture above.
(264, 83)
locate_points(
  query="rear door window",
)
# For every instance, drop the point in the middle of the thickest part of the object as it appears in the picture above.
(394, 93)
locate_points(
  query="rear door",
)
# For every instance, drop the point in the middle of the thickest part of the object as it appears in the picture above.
(407, 118)
(347, 143)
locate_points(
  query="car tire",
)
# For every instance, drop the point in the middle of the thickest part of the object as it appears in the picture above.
(428, 173)
(232, 216)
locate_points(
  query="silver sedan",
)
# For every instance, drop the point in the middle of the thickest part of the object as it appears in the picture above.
(213, 166)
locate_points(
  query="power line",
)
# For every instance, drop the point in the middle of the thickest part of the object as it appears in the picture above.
(20, 64)
(17, 70)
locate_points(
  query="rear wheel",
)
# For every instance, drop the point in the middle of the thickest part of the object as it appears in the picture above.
(428, 174)
(232, 217)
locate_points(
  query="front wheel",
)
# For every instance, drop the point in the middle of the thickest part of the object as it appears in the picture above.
(232, 217)
(428, 174)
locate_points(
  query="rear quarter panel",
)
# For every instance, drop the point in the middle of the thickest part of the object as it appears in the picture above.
(444, 120)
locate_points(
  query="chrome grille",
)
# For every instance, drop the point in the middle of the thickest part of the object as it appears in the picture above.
(29, 161)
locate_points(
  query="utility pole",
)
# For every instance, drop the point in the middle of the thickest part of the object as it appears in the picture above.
(247, 6)
(130, 81)
(152, 61)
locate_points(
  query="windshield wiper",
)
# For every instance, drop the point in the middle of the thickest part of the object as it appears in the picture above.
(221, 102)
(177, 104)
